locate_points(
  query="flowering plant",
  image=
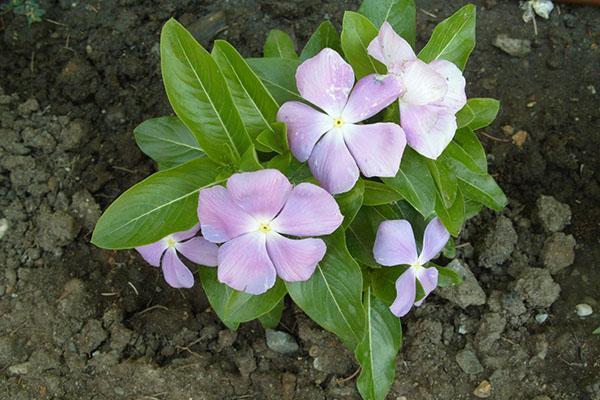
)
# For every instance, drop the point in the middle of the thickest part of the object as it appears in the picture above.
(314, 175)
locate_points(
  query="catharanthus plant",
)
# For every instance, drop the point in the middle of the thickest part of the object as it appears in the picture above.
(309, 174)
(251, 216)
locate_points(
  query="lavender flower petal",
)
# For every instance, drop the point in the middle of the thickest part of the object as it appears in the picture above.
(185, 235)
(422, 84)
(295, 260)
(245, 265)
(434, 239)
(455, 98)
(395, 244)
(175, 272)
(429, 129)
(406, 290)
(391, 49)
(428, 277)
(153, 252)
(370, 95)
(199, 251)
(332, 164)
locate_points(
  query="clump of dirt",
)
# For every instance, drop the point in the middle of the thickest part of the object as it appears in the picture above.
(79, 322)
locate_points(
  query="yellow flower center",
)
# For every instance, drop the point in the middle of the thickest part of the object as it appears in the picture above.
(171, 243)
(338, 122)
(264, 228)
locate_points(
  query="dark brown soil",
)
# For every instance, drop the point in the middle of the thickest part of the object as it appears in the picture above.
(77, 322)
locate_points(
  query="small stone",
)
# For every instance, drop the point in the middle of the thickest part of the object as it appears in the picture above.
(3, 227)
(226, 339)
(537, 287)
(28, 107)
(519, 138)
(498, 244)
(468, 292)
(513, 47)
(558, 252)
(468, 362)
(491, 328)
(483, 390)
(553, 214)
(584, 310)
(541, 318)
(19, 369)
(281, 342)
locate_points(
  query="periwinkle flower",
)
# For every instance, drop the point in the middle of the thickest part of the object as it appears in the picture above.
(251, 216)
(331, 139)
(395, 245)
(431, 93)
(164, 254)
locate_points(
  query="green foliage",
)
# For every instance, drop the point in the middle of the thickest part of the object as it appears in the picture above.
(325, 36)
(279, 44)
(31, 9)
(400, 14)
(357, 33)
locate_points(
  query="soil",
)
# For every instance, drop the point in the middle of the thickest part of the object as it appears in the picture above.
(77, 322)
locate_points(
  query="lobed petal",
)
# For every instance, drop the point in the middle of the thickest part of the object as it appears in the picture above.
(434, 239)
(422, 84)
(326, 80)
(175, 272)
(406, 291)
(370, 95)
(153, 252)
(261, 194)
(199, 251)
(391, 49)
(185, 235)
(245, 265)
(220, 217)
(455, 98)
(429, 129)
(332, 164)
(395, 244)
(295, 260)
(428, 277)
(309, 211)
(305, 126)
(376, 148)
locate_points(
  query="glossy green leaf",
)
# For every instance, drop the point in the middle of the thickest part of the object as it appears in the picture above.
(453, 39)
(472, 208)
(249, 161)
(199, 95)
(275, 138)
(466, 148)
(444, 179)
(447, 277)
(350, 202)
(161, 204)
(279, 44)
(257, 107)
(383, 283)
(234, 307)
(271, 319)
(377, 193)
(278, 75)
(167, 141)
(377, 351)
(360, 235)
(401, 15)
(452, 217)
(332, 297)
(478, 113)
(326, 36)
(357, 33)
(414, 182)
(449, 250)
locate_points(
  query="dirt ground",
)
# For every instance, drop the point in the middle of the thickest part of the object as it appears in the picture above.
(77, 322)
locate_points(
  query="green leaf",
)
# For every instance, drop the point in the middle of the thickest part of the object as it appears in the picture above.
(278, 75)
(257, 107)
(234, 307)
(271, 319)
(249, 161)
(167, 141)
(453, 39)
(444, 179)
(452, 217)
(325, 36)
(377, 193)
(383, 282)
(466, 148)
(414, 182)
(350, 202)
(377, 351)
(199, 95)
(449, 250)
(360, 235)
(279, 44)
(401, 15)
(357, 33)
(161, 204)
(275, 138)
(332, 296)
(472, 208)
(478, 113)
(596, 331)
(447, 277)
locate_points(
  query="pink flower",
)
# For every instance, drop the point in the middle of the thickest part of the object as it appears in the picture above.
(395, 245)
(331, 139)
(432, 93)
(164, 254)
(251, 216)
